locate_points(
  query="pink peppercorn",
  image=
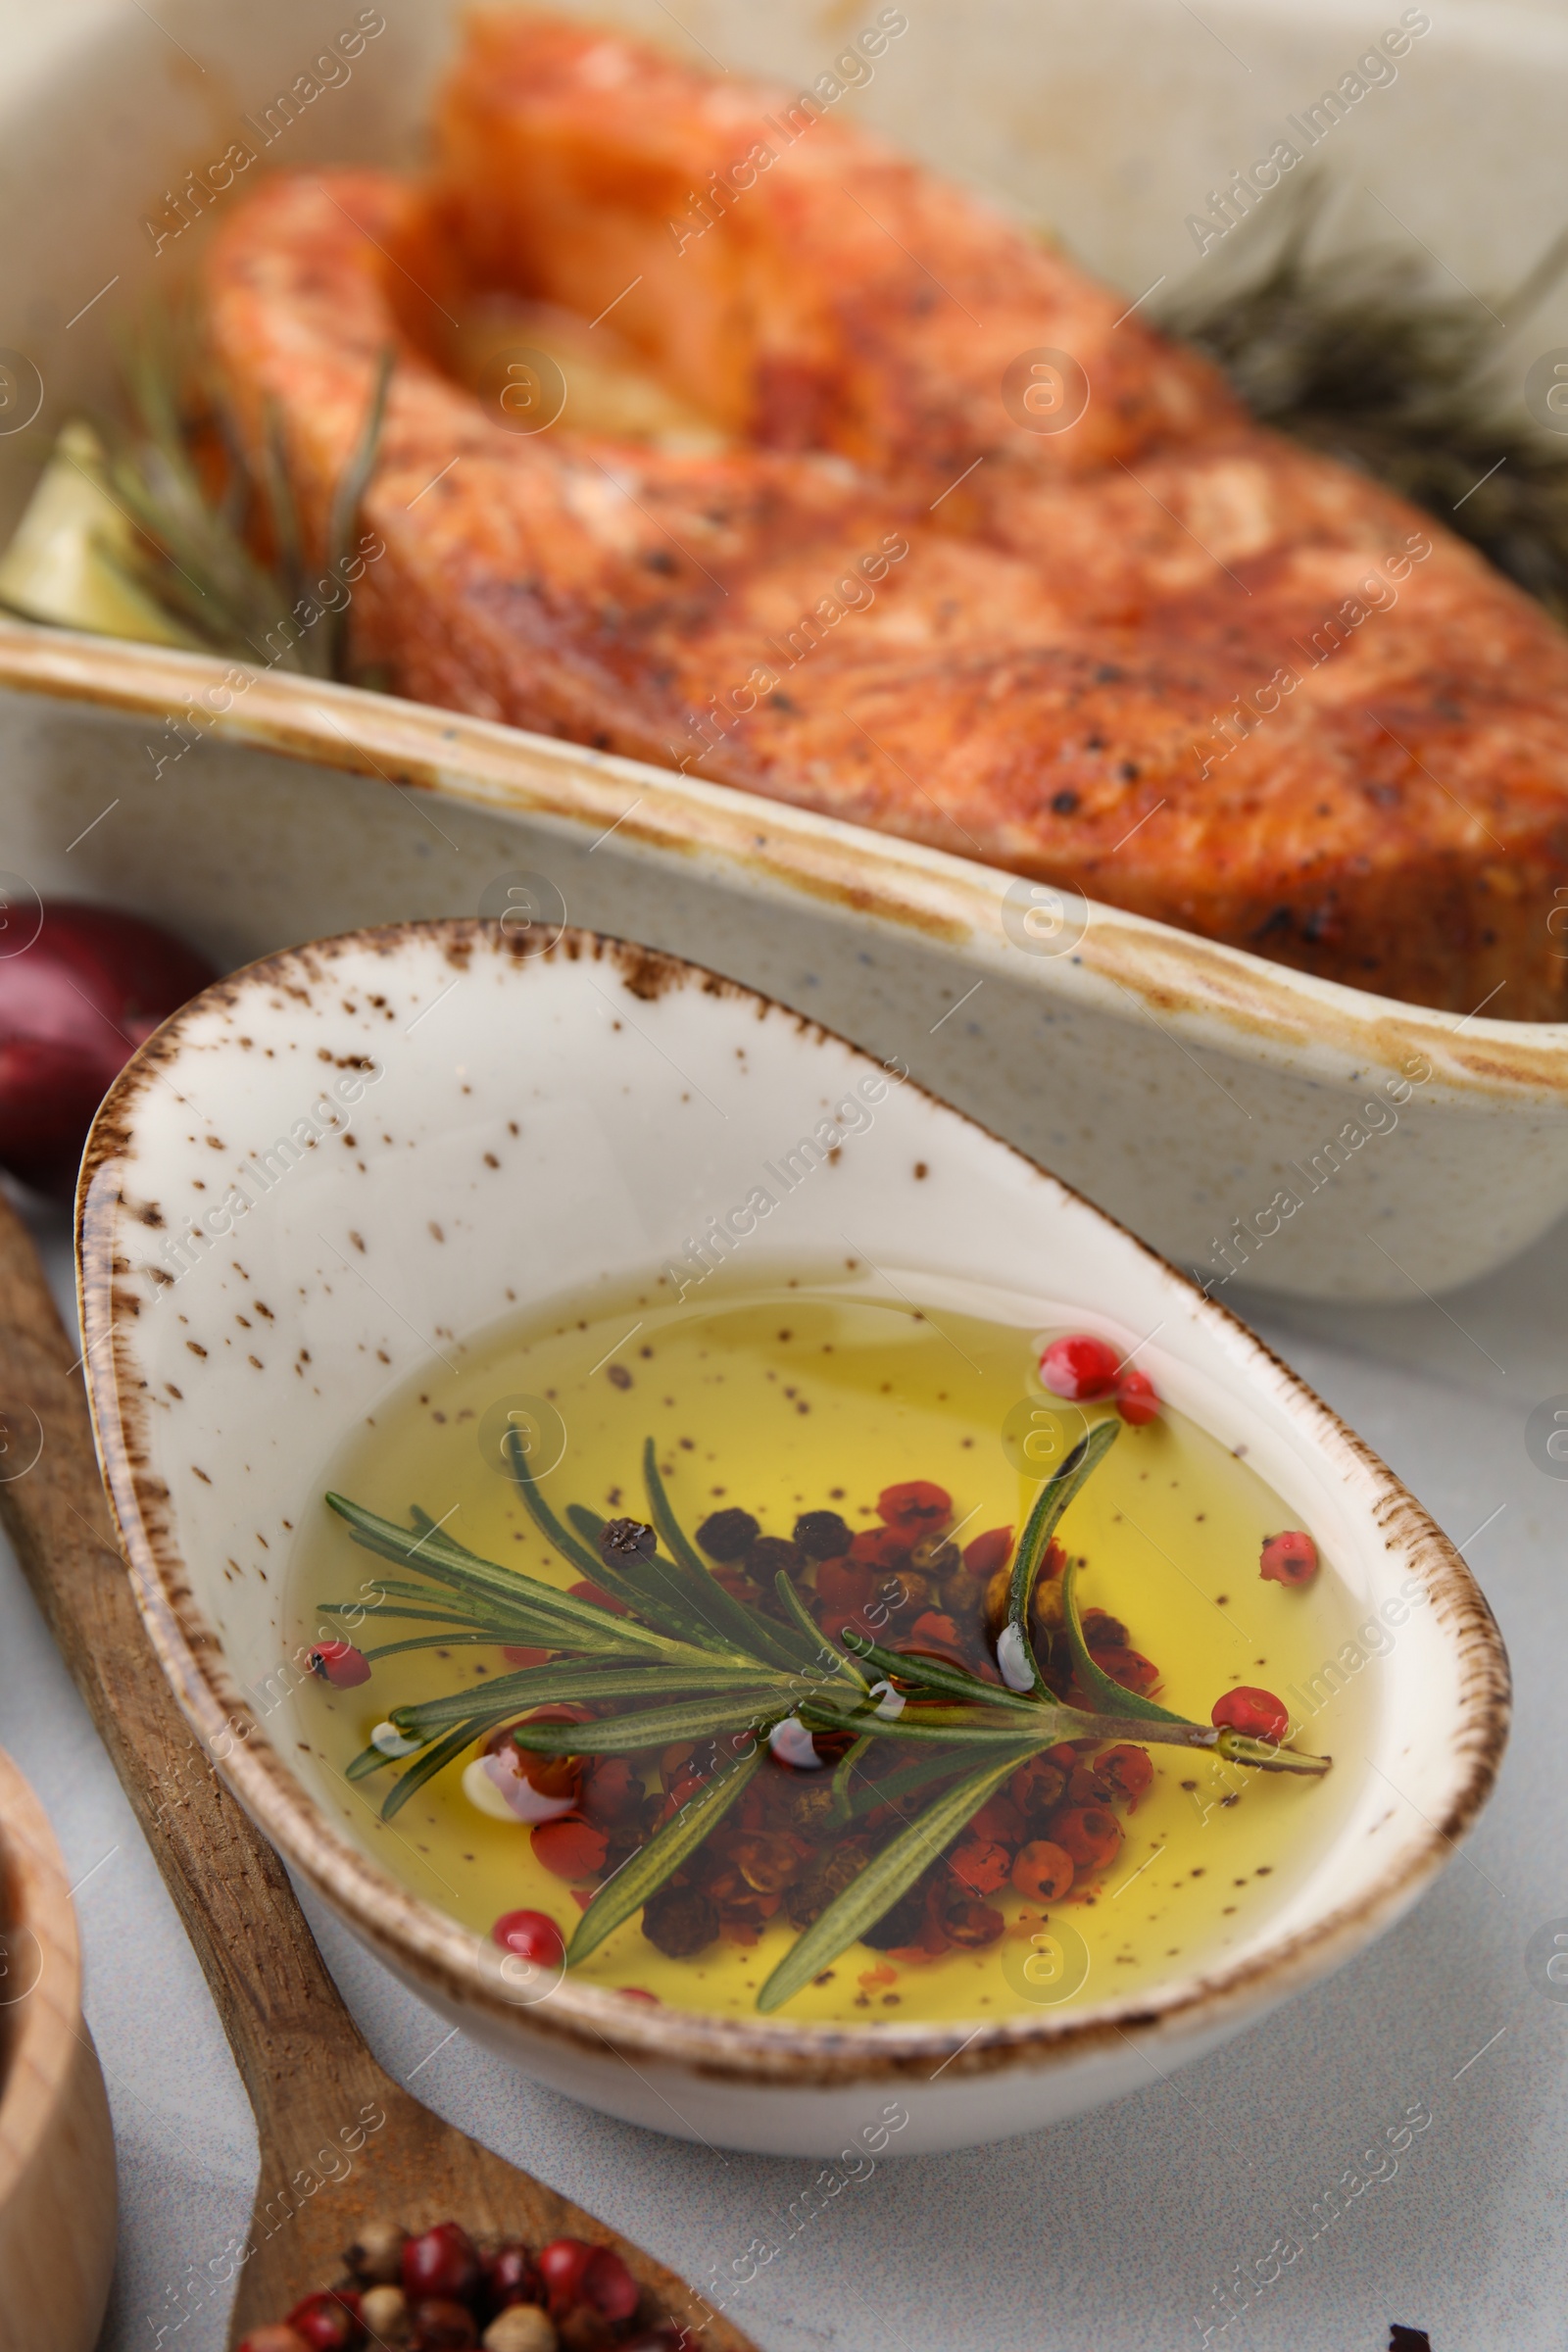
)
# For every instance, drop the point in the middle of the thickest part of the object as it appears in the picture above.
(443, 2263)
(1080, 1367)
(1289, 1558)
(326, 2322)
(532, 1935)
(575, 2272)
(988, 1552)
(1259, 1714)
(510, 2273)
(1136, 1399)
(341, 1664)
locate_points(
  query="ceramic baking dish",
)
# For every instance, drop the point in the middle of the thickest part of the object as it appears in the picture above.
(1258, 1126)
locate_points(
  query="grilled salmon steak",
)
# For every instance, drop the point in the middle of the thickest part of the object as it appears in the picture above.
(958, 549)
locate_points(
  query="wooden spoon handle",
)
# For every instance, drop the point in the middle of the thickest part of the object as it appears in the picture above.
(315, 2088)
(279, 2008)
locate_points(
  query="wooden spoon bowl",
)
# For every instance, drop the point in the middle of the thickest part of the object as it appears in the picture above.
(56, 2150)
(341, 2145)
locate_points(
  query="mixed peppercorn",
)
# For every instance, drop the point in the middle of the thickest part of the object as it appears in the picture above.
(786, 1846)
(436, 2290)
(938, 1619)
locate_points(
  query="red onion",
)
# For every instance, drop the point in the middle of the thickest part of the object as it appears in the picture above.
(75, 1003)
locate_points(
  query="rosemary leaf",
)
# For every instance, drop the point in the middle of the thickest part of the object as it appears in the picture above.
(1237, 1749)
(436, 1760)
(648, 1869)
(581, 1623)
(349, 494)
(658, 1727)
(589, 1525)
(1107, 1694)
(560, 1539)
(540, 1628)
(1095, 1683)
(132, 576)
(466, 1639)
(652, 1589)
(882, 1879)
(582, 1682)
(848, 1766)
(389, 1587)
(484, 1617)
(954, 1726)
(280, 499)
(194, 563)
(461, 1620)
(191, 564)
(1041, 1726)
(953, 1681)
(1051, 1501)
(457, 1554)
(730, 1618)
(827, 1653)
(669, 1527)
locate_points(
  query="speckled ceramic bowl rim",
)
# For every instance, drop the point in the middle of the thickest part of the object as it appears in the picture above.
(442, 1957)
(1200, 989)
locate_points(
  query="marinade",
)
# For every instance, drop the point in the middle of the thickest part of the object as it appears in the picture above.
(667, 1637)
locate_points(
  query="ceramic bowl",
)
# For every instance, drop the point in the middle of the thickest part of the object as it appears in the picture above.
(231, 1349)
(57, 2148)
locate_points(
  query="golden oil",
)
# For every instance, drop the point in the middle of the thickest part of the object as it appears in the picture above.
(809, 1395)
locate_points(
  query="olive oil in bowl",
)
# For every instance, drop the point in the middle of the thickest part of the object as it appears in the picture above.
(804, 1594)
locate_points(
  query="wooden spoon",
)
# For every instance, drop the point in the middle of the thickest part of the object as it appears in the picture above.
(341, 2144)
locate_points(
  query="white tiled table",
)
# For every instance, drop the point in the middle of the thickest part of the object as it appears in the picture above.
(1109, 2232)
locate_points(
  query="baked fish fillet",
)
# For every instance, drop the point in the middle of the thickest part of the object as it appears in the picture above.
(838, 296)
(1184, 667)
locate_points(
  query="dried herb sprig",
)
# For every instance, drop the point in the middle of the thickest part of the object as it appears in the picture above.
(1355, 355)
(200, 523)
(690, 1662)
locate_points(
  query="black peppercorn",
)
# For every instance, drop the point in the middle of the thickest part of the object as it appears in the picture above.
(767, 1555)
(728, 1534)
(680, 1921)
(822, 1535)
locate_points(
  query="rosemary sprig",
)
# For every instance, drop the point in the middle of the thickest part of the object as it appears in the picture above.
(1354, 354)
(196, 554)
(690, 1663)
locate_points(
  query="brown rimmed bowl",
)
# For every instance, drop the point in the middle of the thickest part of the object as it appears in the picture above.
(287, 1208)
